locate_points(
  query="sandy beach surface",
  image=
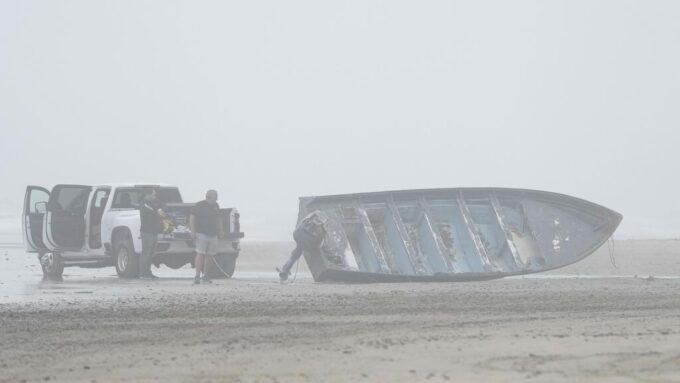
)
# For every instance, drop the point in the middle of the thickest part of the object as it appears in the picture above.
(590, 321)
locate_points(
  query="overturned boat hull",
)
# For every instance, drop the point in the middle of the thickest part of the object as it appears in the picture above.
(459, 234)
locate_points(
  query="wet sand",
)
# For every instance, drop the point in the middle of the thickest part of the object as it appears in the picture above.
(605, 325)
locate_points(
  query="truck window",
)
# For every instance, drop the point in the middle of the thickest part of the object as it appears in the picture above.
(126, 199)
(129, 198)
(169, 195)
(100, 198)
(37, 202)
(72, 199)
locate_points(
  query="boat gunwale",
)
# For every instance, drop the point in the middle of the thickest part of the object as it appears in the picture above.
(416, 192)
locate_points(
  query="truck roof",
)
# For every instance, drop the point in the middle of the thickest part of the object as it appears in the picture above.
(134, 184)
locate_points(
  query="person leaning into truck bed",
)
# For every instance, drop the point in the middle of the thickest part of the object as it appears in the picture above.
(206, 226)
(150, 213)
(309, 235)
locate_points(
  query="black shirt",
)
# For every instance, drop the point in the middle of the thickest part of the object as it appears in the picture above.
(206, 218)
(151, 220)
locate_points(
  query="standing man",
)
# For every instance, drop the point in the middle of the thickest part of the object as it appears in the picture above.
(308, 235)
(205, 222)
(150, 214)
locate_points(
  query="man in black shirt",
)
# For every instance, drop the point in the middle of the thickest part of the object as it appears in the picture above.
(309, 235)
(150, 216)
(206, 225)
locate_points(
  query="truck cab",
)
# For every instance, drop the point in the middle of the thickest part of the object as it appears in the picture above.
(98, 226)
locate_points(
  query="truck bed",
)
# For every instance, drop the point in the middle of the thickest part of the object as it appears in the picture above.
(179, 214)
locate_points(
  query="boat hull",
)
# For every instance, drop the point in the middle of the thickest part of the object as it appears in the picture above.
(458, 234)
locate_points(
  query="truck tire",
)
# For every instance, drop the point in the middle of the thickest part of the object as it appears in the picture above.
(127, 261)
(175, 263)
(52, 265)
(226, 261)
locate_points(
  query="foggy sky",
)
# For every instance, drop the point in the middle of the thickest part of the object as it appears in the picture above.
(266, 101)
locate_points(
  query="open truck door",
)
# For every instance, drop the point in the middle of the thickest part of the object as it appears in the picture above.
(35, 207)
(65, 217)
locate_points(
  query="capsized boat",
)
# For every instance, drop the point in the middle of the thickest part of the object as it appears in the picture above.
(453, 234)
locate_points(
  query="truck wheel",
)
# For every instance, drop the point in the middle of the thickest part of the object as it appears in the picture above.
(127, 261)
(226, 261)
(52, 265)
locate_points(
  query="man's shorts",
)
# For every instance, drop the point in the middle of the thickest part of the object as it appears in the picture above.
(206, 245)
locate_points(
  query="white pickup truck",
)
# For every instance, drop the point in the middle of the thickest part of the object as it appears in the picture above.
(98, 226)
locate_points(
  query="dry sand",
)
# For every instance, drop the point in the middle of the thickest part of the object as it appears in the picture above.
(93, 327)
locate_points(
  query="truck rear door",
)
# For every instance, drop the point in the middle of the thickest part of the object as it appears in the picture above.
(65, 217)
(33, 218)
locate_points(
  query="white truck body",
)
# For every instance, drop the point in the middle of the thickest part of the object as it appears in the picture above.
(86, 226)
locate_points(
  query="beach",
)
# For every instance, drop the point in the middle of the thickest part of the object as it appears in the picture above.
(590, 321)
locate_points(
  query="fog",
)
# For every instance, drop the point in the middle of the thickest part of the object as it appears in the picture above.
(269, 101)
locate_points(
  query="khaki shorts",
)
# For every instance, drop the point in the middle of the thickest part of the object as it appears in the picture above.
(206, 245)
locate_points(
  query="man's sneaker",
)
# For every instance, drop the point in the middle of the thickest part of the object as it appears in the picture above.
(149, 277)
(206, 280)
(197, 280)
(283, 276)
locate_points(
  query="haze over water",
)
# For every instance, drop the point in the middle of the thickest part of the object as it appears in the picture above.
(267, 101)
